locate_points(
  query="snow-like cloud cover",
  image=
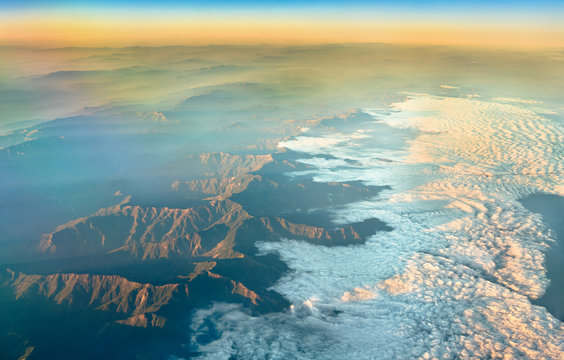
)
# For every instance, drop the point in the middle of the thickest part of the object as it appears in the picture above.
(456, 277)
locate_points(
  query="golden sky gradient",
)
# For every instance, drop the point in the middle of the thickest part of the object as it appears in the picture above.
(56, 30)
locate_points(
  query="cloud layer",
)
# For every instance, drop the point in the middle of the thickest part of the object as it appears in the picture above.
(456, 277)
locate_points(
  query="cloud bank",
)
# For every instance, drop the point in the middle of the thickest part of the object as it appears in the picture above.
(456, 277)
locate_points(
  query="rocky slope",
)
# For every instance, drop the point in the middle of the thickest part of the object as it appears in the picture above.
(99, 292)
(147, 232)
(143, 265)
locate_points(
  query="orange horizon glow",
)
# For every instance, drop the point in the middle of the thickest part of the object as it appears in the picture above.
(83, 30)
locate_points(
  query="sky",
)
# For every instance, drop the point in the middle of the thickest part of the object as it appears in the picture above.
(173, 22)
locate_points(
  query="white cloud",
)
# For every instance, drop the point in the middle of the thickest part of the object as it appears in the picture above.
(455, 277)
(517, 100)
(313, 145)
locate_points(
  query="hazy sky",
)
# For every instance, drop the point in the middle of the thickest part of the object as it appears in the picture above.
(119, 23)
